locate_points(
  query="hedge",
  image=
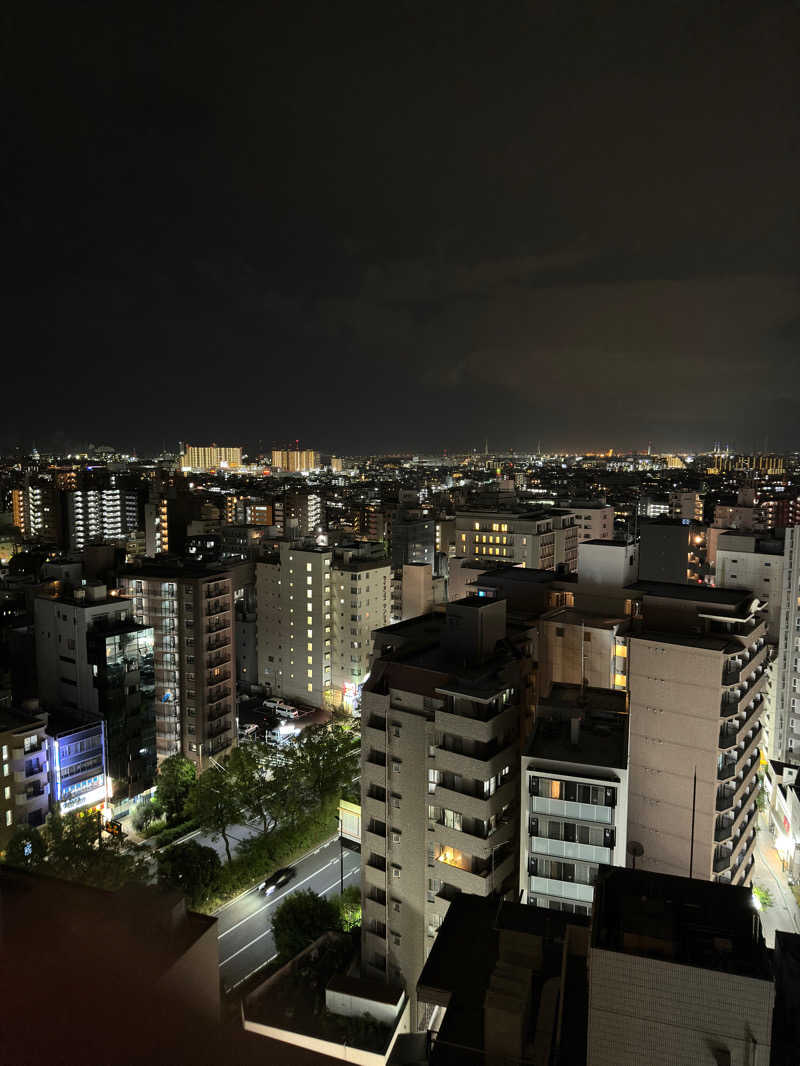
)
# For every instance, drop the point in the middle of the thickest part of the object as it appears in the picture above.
(257, 857)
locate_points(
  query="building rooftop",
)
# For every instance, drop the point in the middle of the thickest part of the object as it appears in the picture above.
(574, 616)
(601, 737)
(15, 721)
(679, 919)
(177, 569)
(703, 595)
(478, 939)
(617, 543)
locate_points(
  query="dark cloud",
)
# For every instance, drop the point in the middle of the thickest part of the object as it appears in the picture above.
(377, 227)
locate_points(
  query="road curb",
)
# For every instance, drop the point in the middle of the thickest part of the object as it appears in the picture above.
(311, 851)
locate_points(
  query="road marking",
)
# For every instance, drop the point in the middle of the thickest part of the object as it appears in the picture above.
(247, 891)
(268, 931)
(239, 952)
(260, 966)
(275, 899)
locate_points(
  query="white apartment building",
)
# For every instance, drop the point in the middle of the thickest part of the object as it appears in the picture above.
(540, 539)
(688, 506)
(574, 797)
(362, 601)
(294, 592)
(594, 519)
(95, 515)
(317, 608)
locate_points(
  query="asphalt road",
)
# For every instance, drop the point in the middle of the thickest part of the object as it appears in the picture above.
(245, 924)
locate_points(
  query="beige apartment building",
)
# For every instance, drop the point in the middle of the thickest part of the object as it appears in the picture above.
(190, 609)
(541, 539)
(202, 457)
(440, 728)
(317, 607)
(698, 664)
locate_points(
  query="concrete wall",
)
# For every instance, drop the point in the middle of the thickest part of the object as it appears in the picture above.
(648, 1011)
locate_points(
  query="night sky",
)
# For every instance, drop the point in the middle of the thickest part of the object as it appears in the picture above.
(402, 225)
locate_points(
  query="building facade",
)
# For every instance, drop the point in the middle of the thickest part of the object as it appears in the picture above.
(539, 539)
(204, 457)
(190, 610)
(440, 728)
(24, 772)
(94, 657)
(100, 515)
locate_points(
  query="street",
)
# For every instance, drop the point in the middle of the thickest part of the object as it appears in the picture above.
(768, 873)
(245, 924)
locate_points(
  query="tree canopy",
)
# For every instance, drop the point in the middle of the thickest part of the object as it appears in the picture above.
(173, 784)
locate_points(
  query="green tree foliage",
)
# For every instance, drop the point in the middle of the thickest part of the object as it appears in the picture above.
(190, 867)
(27, 847)
(300, 919)
(764, 897)
(323, 760)
(72, 846)
(253, 768)
(174, 781)
(145, 814)
(214, 804)
(349, 907)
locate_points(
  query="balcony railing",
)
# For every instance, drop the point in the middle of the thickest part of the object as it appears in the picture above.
(723, 830)
(722, 862)
(218, 697)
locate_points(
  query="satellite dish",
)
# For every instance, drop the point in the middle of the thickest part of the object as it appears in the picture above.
(635, 850)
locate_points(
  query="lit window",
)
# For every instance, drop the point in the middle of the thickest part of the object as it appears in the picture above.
(308, 566)
(622, 651)
(310, 687)
(619, 681)
(477, 525)
(310, 661)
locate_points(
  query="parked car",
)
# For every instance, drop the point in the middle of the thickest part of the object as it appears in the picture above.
(277, 880)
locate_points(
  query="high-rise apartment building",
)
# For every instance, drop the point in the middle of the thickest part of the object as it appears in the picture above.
(93, 656)
(539, 539)
(205, 457)
(295, 460)
(785, 723)
(317, 608)
(698, 664)
(303, 514)
(361, 586)
(37, 511)
(24, 771)
(413, 538)
(440, 728)
(100, 515)
(294, 592)
(190, 610)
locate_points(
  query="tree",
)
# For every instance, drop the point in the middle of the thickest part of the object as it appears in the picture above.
(27, 847)
(300, 919)
(191, 867)
(214, 803)
(145, 814)
(78, 850)
(253, 768)
(173, 784)
(323, 760)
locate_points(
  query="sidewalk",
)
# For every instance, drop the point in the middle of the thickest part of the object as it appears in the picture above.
(784, 914)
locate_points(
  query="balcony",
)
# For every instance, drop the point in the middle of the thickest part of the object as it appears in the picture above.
(475, 804)
(479, 846)
(565, 849)
(477, 766)
(218, 697)
(25, 753)
(736, 701)
(215, 609)
(722, 862)
(215, 645)
(727, 770)
(484, 725)
(569, 890)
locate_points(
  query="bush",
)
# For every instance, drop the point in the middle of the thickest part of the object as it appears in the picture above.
(300, 919)
(349, 908)
(190, 867)
(145, 814)
(169, 835)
